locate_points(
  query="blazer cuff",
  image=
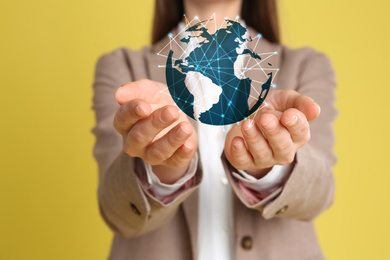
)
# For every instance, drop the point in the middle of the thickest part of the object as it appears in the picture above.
(162, 191)
(267, 184)
(307, 192)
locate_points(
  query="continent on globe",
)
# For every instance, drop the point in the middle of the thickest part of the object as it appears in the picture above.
(205, 93)
(204, 83)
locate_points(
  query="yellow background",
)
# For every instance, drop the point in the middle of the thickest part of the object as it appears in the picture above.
(48, 177)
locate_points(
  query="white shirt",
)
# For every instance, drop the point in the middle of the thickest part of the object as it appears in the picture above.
(215, 226)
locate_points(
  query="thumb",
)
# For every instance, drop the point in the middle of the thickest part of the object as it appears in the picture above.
(144, 89)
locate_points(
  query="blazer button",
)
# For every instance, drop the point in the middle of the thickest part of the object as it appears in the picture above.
(280, 211)
(135, 209)
(247, 243)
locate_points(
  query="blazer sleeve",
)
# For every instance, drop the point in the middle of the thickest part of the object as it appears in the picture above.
(126, 208)
(310, 188)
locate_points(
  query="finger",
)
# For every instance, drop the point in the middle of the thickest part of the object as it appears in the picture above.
(144, 131)
(240, 157)
(145, 89)
(278, 138)
(166, 146)
(267, 110)
(129, 113)
(182, 155)
(257, 145)
(286, 99)
(307, 106)
(296, 123)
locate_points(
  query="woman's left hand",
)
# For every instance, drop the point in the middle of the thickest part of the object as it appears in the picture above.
(274, 135)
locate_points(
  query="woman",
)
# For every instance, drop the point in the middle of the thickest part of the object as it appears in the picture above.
(159, 170)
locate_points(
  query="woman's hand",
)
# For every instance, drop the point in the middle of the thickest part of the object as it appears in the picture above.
(154, 130)
(274, 135)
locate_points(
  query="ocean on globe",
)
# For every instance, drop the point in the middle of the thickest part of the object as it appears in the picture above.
(207, 79)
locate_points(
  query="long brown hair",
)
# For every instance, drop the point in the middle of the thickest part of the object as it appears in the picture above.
(261, 15)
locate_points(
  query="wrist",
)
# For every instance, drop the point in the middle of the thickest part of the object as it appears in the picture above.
(169, 175)
(258, 173)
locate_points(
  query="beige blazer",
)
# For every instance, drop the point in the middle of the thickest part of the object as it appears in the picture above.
(279, 227)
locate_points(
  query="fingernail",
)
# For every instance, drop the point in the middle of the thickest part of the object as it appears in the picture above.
(319, 108)
(248, 125)
(118, 88)
(187, 147)
(269, 125)
(183, 131)
(118, 92)
(167, 117)
(140, 111)
(249, 128)
(238, 146)
(292, 120)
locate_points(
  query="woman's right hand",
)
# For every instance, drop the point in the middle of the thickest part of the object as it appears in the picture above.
(154, 129)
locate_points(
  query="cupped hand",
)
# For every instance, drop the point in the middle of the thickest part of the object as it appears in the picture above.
(273, 135)
(154, 129)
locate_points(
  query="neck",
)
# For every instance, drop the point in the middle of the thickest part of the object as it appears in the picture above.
(205, 9)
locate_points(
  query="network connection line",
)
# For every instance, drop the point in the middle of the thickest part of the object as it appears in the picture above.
(213, 76)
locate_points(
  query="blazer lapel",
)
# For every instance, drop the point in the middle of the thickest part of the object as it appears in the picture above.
(156, 73)
(190, 207)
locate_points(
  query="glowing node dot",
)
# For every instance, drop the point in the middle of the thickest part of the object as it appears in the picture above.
(209, 68)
